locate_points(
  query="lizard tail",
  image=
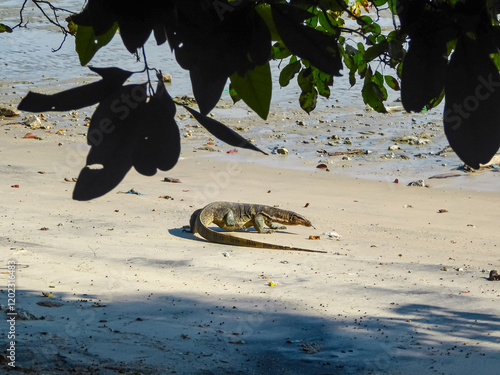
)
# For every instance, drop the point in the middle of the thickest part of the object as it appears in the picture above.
(227, 239)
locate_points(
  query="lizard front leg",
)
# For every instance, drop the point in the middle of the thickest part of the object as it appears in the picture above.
(258, 223)
(271, 225)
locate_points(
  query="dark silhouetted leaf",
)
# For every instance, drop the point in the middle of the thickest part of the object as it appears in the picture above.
(259, 46)
(137, 20)
(158, 139)
(222, 132)
(96, 14)
(410, 14)
(255, 88)
(334, 5)
(78, 97)
(424, 71)
(472, 110)
(160, 34)
(317, 47)
(207, 88)
(135, 29)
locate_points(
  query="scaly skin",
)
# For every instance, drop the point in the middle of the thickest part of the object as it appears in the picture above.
(233, 216)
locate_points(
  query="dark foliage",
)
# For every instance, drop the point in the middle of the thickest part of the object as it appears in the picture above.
(217, 41)
(470, 80)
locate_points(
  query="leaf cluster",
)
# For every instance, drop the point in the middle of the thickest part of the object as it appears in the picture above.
(215, 41)
(220, 40)
(453, 53)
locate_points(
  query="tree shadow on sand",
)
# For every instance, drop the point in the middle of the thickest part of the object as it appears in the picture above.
(163, 333)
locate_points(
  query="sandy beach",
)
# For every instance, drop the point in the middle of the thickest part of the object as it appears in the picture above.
(115, 285)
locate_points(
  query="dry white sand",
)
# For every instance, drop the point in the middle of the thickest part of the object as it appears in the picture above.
(404, 291)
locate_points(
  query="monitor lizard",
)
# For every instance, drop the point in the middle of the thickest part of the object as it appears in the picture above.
(233, 216)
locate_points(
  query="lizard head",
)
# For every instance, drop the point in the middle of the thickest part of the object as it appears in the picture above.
(296, 219)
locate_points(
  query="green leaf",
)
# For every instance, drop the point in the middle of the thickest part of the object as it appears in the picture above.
(305, 80)
(234, 95)
(264, 11)
(87, 44)
(375, 51)
(313, 21)
(364, 21)
(373, 94)
(393, 6)
(255, 88)
(5, 28)
(322, 81)
(352, 77)
(372, 28)
(72, 27)
(350, 50)
(378, 78)
(361, 64)
(319, 48)
(308, 100)
(399, 70)
(436, 101)
(289, 72)
(329, 24)
(496, 60)
(349, 61)
(323, 89)
(392, 83)
(280, 51)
